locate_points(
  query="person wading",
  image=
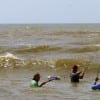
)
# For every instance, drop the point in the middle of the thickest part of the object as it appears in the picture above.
(75, 74)
(95, 84)
(36, 79)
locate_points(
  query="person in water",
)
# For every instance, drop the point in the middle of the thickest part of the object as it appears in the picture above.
(75, 75)
(36, 79)
(95, 84)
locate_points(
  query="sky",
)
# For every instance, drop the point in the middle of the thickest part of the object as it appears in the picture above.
(49, 11)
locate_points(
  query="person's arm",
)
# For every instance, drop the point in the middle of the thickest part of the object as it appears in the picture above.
(82, 74)
(79, 72)
(76, 73)
(50, 78)
(44, 83)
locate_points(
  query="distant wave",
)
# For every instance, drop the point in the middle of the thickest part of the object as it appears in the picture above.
(41, 48)
(84, 49)
(47, 48)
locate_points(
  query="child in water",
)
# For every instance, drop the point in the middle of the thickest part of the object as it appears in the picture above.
(36, 79)
(96, 85)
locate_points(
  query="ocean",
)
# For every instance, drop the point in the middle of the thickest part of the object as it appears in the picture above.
(50, 49)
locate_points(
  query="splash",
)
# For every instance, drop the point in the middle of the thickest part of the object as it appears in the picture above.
(9, 55)
(9, 60)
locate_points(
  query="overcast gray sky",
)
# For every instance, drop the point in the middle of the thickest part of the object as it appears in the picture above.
(49, 11)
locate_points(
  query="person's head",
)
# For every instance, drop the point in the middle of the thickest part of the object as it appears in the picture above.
(96, 79)
(74, 68)
(36, 77)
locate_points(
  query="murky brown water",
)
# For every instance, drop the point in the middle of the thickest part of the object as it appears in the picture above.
(50, 50)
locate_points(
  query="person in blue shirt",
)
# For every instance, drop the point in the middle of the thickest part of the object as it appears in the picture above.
(75, 74)
(95, 84)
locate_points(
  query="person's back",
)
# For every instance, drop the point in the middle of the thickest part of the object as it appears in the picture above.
(34, 83)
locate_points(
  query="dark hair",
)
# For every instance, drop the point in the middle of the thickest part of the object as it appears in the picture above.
(74, 67)
(36, 77)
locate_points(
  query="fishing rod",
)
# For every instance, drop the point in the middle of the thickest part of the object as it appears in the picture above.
(98, 71)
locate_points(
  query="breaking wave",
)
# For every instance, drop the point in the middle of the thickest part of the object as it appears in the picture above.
(12, 61)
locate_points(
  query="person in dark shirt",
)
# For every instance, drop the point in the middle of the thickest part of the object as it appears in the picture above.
(75, 75)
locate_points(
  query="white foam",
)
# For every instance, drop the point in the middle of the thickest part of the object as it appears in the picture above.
(11, 55)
